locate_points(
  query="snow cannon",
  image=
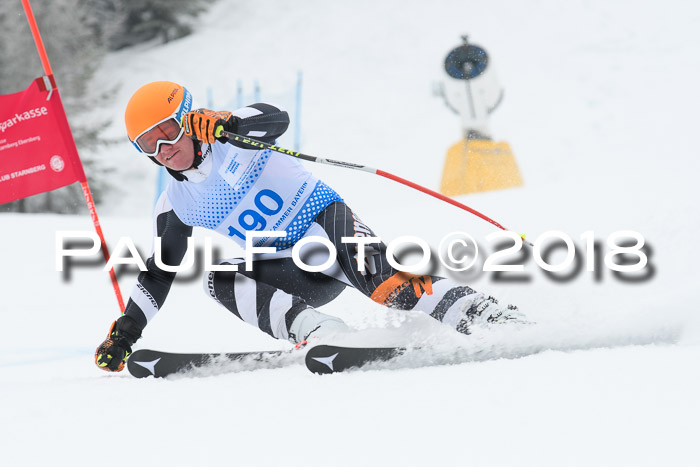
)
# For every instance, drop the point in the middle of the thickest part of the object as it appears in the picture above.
(476, 162)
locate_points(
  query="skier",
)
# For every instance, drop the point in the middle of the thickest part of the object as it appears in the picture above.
(234, 188)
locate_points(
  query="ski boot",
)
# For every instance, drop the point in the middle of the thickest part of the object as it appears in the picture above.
(487, 312)
(311, 325)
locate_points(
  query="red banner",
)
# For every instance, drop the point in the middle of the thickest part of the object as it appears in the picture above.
(37, 151)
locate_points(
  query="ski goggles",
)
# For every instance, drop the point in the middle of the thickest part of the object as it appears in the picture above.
(167, 131)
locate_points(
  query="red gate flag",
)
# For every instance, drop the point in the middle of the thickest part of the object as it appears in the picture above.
(23, 159)
(37, 151)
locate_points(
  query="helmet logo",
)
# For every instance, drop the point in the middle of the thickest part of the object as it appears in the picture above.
(172, 95)
(185, 105)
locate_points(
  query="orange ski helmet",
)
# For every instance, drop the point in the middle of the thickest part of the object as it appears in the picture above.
(154, 103)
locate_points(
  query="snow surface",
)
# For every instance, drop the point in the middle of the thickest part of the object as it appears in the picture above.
(600, 109)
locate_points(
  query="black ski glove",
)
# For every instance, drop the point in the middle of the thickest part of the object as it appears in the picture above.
(111, 355)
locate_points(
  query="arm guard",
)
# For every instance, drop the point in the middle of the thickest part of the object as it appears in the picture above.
(263, 122)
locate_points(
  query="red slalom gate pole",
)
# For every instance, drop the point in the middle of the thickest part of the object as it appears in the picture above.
(349, 165)
(437, 195)
(96, 223)
(37, 37)
(83, 183)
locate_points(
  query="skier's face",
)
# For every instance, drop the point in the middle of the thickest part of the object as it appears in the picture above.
(178, 156)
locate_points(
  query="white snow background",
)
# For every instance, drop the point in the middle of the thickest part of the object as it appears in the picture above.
(600, 109)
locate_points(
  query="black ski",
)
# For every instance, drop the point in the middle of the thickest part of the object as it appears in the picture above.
(324, 359)
(145, 362)
(321, 359)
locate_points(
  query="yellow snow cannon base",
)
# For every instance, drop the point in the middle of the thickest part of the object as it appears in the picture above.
(478, 165)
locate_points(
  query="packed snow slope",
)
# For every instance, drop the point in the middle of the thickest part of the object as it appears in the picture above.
(600, 110)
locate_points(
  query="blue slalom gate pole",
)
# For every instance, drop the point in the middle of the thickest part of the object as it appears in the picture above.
(297, 113)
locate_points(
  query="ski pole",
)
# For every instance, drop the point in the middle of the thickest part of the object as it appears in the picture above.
(349, 165)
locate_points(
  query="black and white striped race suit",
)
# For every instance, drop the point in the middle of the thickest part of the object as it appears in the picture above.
(237, 189)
